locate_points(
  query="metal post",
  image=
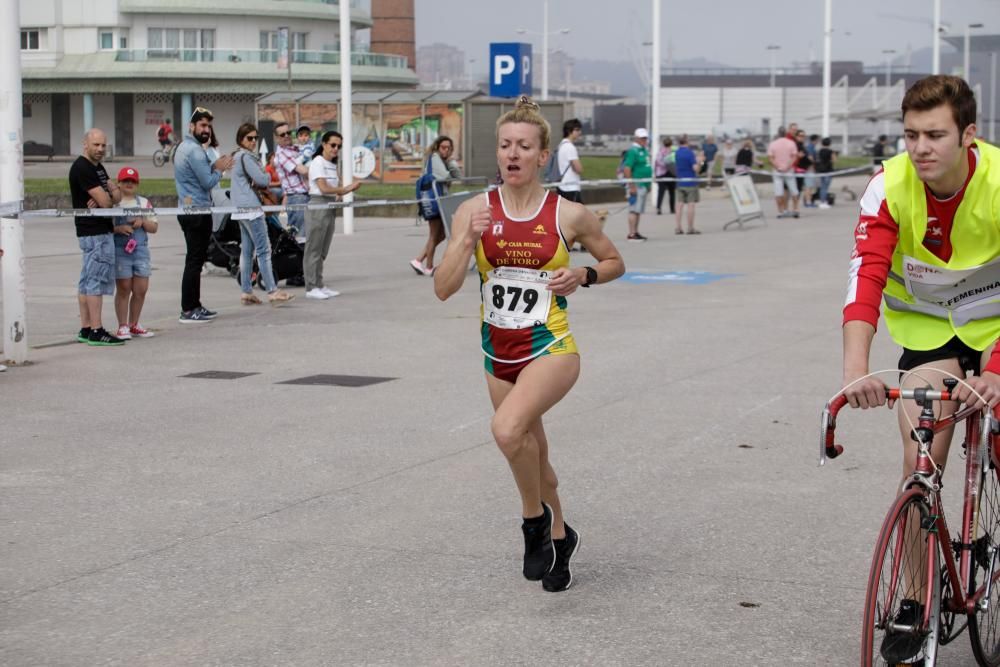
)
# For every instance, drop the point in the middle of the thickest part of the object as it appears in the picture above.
(993, 96)
(936, 59)
(15, 340)
(88, 110)
(187, 108)
(545, 49)
(654, 125)
(827, 55)
(965, 54)
(345, 160)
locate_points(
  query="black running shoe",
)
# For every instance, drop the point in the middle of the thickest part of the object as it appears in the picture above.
(101, 338)
(83, 335)
(206, 313)
(899, 645)
(560, 577)
(539, 552)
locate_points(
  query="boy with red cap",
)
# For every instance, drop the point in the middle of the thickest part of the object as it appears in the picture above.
(132, 259)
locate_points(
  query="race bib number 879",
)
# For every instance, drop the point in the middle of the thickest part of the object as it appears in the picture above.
(516, 297)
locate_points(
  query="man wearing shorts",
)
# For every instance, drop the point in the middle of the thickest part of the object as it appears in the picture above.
(928, 244)
(637, 166)
(784, 153)
(91, 188)
(687, 164)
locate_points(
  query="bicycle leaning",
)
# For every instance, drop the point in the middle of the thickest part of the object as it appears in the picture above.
(924, 587)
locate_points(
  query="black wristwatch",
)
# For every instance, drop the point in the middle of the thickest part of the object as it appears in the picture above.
(591, 277)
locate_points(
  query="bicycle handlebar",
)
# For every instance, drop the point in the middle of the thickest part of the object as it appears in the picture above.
(828, 447)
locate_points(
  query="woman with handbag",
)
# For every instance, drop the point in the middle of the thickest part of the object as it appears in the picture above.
(440, 166)
(249, 180)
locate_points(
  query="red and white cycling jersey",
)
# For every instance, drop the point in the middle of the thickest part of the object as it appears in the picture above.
(875, 239)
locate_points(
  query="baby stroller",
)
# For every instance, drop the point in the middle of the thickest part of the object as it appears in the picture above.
(224, 247)
(286, 254)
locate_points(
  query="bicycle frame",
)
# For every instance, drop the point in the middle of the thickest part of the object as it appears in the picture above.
(982, 446)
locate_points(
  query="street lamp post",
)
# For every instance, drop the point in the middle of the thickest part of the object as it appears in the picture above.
(936, 44)
(965, 60)
(545, 45)
(827, 63)
(888, 84)
(772, 48)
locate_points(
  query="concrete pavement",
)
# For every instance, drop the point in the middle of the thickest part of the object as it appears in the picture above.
(155, 519)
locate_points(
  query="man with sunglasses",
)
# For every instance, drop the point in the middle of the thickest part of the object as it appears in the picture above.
(293, 175)
(195, 176)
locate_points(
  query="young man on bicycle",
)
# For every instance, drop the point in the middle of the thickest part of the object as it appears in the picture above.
(928, 243)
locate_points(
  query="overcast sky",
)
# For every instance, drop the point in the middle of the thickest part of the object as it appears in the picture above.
(733, 32)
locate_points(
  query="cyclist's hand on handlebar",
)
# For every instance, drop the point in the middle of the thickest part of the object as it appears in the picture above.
(869, 393)
(988, 385)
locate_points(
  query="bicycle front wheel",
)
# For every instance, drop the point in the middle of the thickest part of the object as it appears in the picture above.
(159, 159)
(893, 630)
(984, 623)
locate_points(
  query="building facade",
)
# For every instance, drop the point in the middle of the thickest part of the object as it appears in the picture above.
(126, 65)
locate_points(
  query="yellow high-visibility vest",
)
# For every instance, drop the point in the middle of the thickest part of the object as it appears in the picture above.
(927, 300)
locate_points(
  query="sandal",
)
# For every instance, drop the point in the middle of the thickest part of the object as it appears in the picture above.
(693, 231)
(679, 231)
(279, 297)
(250, 300)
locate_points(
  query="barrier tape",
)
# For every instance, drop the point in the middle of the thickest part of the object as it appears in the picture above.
(17, 208)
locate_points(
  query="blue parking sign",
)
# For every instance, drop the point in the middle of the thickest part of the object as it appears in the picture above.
(510, 69)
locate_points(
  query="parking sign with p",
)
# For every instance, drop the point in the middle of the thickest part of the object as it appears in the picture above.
(510, 69)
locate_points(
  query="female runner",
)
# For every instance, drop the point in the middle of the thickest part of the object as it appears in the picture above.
(520, 235)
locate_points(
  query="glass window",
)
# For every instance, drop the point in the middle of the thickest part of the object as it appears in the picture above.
(123, 42)
(172, 39)
(107, 40)
(155, 38)
(29, 40)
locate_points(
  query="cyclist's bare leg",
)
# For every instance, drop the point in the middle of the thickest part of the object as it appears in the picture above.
(519, 406)
(914, 579)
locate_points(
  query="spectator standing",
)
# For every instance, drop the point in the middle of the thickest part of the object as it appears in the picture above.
(803, 167)
(688, 166)
(710, 149)
(442, 167)
(248, 176)
(165, 134)
(729, 152)
(880, 151)
(636, 166)
(825, 159)
(665, 171)
(746, 159)
(568, 161)
(324, 183)
(194, 178)
(91, 188)
(783, 154)
(132, 260)
(293, 175)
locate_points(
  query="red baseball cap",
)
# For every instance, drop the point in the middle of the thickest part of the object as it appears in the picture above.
(128, 174)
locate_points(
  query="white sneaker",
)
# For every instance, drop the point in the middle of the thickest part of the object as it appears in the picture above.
(329, 292)
(2, 368)
(124, 332)
(823, 204)
(317, 293)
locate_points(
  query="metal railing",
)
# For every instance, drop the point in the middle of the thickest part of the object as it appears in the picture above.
(179, 54)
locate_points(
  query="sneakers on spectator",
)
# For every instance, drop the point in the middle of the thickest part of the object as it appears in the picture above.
(123, 332)
(417, 266)
(83, 335)
(330, 292)
(140, 332)
(899, 645)
(2, 368)
(795, 214)
(560, 577)
(823, 204)
(100, 337)
(317, 293)
(193, 317)
(539, 552)
(208, 314)
(638, 238)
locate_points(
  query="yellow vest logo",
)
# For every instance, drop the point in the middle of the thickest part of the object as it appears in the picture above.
(539, 229)
(501, 243)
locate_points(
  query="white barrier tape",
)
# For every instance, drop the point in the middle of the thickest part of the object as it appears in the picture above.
(12, 208)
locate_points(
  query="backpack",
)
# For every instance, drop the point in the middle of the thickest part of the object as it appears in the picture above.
(552, 173)
(429, 208)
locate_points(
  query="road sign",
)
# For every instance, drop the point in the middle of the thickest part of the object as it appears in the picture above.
(364, 162)
(510, 69)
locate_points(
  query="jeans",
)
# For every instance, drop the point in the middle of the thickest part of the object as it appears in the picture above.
(97, 273)
(197, 233)
(297, 219)
(254, 241)
(321, 224)
(824, 187)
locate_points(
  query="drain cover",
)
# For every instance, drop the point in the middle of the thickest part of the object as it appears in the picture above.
(339, 380)
(218, 375)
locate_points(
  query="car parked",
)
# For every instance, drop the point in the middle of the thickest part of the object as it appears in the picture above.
(35, 149)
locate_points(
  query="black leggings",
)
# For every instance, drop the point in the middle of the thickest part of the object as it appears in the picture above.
(665, 186)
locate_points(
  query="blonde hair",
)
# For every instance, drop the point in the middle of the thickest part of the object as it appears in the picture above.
(527, 111)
